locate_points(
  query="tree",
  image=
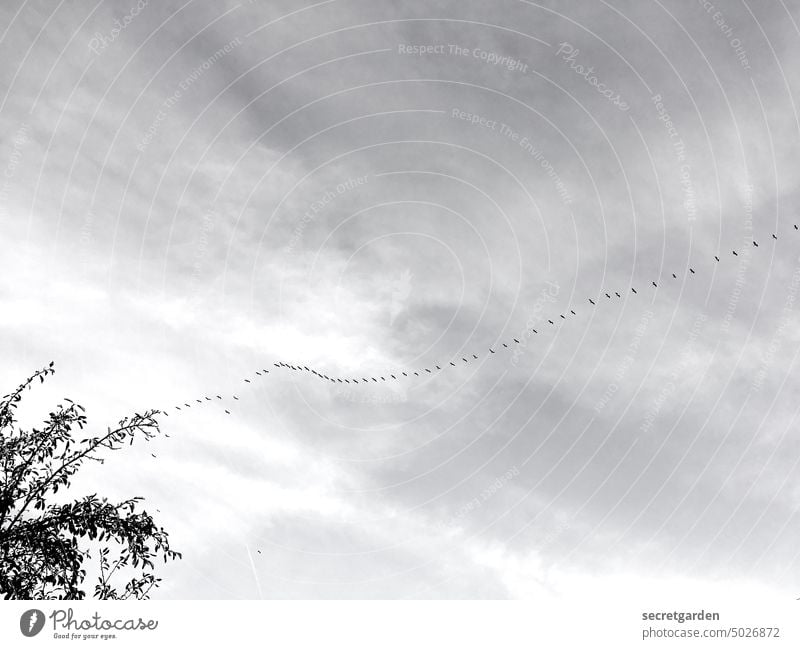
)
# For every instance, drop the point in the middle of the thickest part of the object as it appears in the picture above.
(44, 545)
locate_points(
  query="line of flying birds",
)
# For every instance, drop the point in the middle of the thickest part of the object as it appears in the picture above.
(396, 376)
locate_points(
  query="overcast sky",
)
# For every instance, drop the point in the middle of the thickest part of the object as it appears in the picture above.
(192, 192)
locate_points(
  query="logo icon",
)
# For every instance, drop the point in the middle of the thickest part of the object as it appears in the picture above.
(31, 622)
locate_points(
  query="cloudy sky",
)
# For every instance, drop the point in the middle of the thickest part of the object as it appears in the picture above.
(195, 191)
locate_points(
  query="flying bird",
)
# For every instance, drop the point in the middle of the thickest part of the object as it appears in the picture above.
(551, 322)
(562, 317)
(235, 397)
(491, 350)
(617, 294)
(633, 289)
(715, 257)
(608, 296)
(774, 236)
(691, 270)
(533, 330)
(452, 363)
(227, 412)
(674, 276)
(153, 454)
(735, 254)
(475, 357)
(591, 301)
(572, 312)
(755, 244)
(654, 284)
(516, 341)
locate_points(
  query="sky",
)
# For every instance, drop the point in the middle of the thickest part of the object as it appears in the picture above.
(195, 191)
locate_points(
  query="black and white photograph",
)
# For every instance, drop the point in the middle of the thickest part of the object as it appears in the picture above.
(400, 323)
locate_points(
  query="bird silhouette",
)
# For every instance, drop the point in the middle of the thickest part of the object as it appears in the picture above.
(755, 244)
(562, 317)
(551, 322)
(691, 270)
(654, 284)
(228, 412)
(572, 312)
(674, 276)
(491, 351)
(774, 236)
(591, 301)
(633, 289)
(735, 254)
(715, 257)
(235, 397)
